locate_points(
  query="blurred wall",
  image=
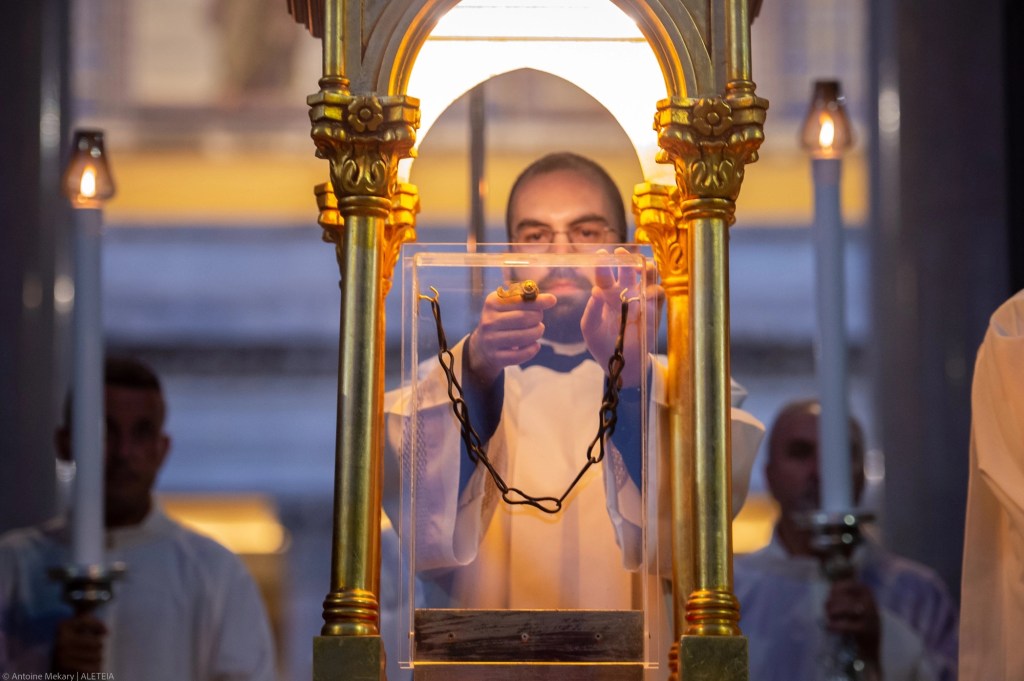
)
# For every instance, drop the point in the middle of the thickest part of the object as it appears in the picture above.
(940, 208)
(33, 234)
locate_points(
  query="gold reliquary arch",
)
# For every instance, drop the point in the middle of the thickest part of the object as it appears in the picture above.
(708, 125)
(682, 36)
(668, 27)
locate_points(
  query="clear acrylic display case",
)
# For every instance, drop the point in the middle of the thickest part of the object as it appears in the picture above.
(486, 574)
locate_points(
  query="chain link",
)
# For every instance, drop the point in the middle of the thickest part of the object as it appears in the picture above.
(476, 450)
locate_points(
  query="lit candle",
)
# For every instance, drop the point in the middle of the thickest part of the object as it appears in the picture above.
(87, 183)
(827, 135)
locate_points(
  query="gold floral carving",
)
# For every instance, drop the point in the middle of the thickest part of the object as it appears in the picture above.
(659, 223)
(710, 141)
(400, 228)
(330, 217)
(363, 137)
(365, 114)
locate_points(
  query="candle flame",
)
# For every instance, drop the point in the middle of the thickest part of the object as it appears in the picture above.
(88, 185)
(827, 134)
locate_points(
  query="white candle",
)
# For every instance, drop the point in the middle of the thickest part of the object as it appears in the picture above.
(834, 438)
(87, 425)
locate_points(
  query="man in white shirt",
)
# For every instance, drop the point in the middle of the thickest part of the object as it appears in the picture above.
(186, 608)
(899, 612)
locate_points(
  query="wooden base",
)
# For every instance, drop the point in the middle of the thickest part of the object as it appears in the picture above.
(528, 671)
(529, 645)
(589, 636)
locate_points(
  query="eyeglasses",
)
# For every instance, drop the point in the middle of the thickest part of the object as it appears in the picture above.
(582, 238)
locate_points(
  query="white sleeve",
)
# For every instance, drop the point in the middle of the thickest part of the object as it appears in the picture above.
(624, 503)
(624, 498)
(903, 654)
(422, 436)
(747, 433)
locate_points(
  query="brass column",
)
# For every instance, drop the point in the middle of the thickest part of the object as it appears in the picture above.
(363, 137)
(659, 223)
(337, 650)
(709, 141)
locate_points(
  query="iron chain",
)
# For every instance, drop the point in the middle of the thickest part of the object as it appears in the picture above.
(475, 448)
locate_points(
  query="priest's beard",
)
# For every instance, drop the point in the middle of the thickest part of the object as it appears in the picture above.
(562, 322)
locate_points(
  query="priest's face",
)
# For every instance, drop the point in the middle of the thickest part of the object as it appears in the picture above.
(563, 211)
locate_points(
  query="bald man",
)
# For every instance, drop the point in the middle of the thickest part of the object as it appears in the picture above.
(899, 612)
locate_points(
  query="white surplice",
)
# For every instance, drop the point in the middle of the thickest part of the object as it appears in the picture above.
(186, 607)
(782, 603)
(472, 549)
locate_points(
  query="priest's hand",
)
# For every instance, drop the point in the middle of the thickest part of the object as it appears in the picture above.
(603, 314)
(79, 645)
(507, 334)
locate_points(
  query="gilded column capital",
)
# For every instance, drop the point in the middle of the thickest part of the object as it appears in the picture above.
(329, 218)
(363, 137)
(659, 223)
(399, 228)
(710, 140)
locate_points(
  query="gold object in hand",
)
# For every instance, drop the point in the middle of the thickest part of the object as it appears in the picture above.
(527, 290)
